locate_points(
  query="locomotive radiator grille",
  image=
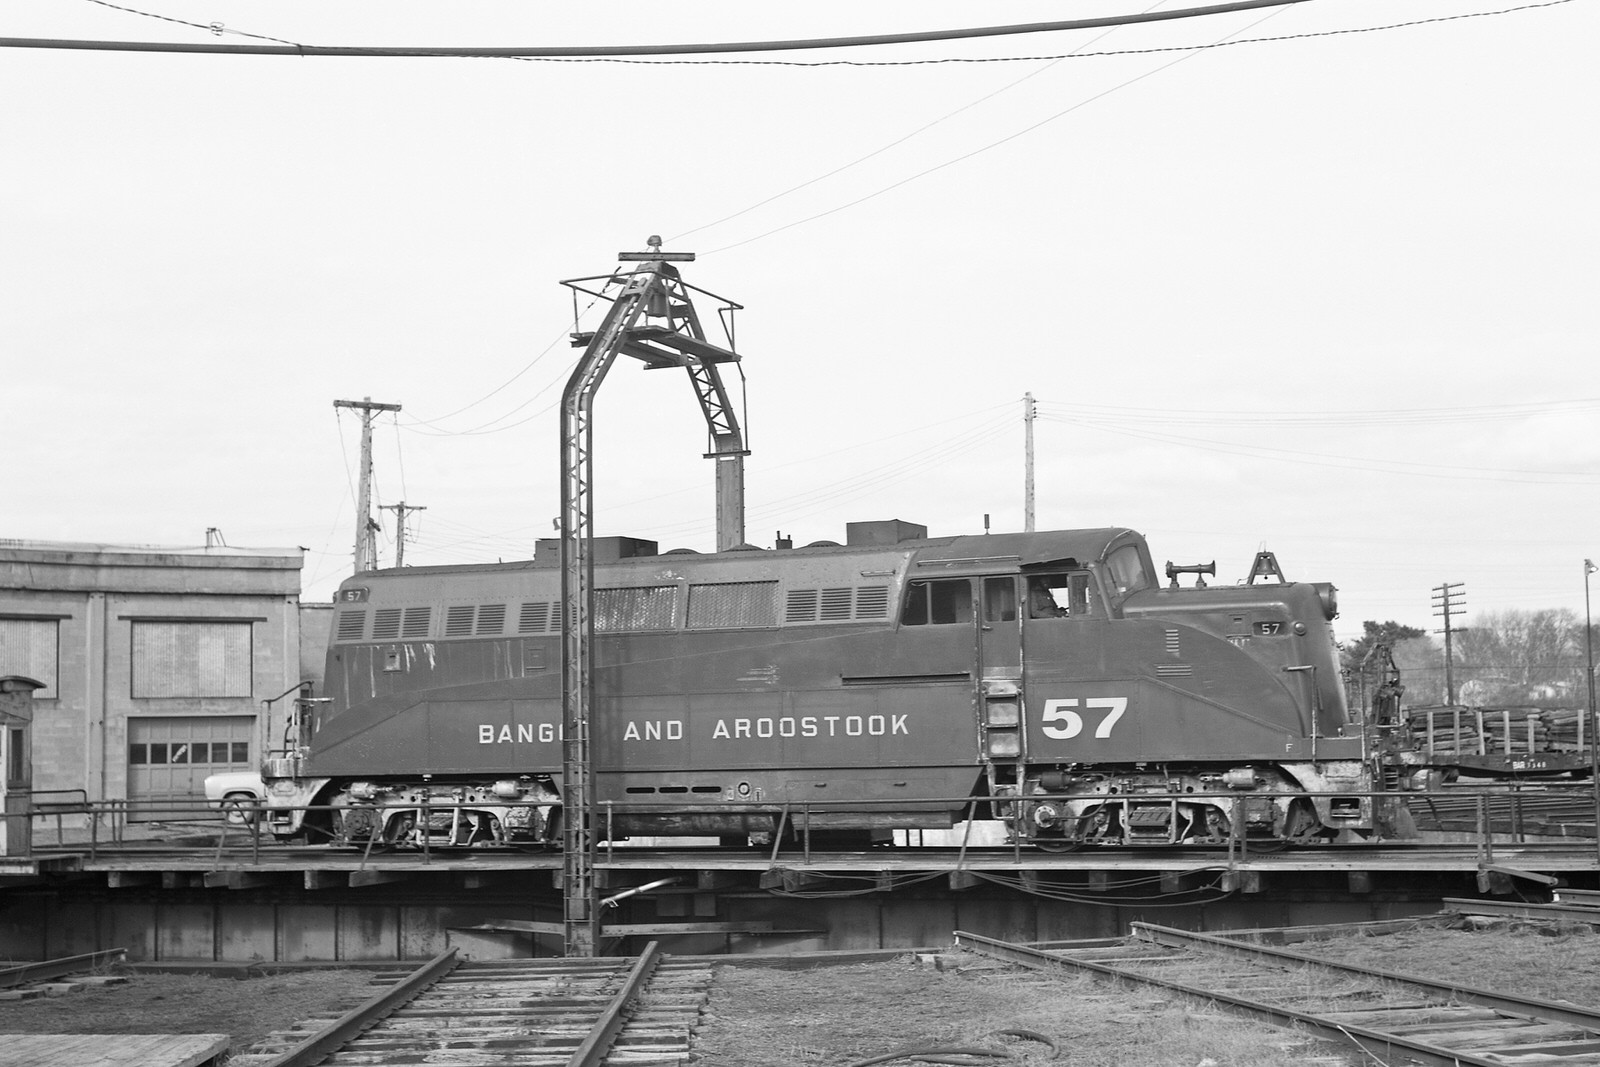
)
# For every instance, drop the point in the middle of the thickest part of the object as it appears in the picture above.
(836, 604)
(352, 625)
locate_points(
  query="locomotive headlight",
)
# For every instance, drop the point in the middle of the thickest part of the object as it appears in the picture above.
(507, 789)
(363, 791)
(1328, 594)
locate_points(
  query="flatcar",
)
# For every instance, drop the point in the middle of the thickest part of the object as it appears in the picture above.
(1047, 681)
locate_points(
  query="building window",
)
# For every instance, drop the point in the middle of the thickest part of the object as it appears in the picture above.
(191, 659)
(29, 647)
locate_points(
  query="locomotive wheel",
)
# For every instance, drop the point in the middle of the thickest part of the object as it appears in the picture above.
(1302, 827)
(1057, 844)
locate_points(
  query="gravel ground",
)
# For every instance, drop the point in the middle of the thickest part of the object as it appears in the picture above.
(834, 1016)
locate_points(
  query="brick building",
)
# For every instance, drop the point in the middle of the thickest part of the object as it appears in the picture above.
(158, 663)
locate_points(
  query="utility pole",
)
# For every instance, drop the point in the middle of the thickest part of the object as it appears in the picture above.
(1593, 722)
(366, 543)
(400, 511)
(1028, 416)
(1449, 599)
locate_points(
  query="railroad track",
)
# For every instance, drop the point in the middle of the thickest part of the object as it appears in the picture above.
(26, 980)
(1393, 1017)
(497, 1013)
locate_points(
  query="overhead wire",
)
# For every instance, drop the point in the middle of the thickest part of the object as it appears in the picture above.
(290, 48)
(628, 54)
(897, 141)
(1410, 468)
(812, 459)
(980, 150)
(1108, 53)
(809, 502)
(1346, 417)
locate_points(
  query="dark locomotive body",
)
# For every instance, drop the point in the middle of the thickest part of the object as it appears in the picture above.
(1044, 680)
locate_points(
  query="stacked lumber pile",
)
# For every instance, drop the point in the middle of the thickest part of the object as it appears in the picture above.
(1563, 726)
(1497, 731)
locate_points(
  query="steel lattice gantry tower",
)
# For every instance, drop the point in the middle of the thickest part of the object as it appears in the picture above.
(651, 318)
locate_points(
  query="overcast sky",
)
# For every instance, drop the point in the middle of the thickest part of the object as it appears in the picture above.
(1332, 294)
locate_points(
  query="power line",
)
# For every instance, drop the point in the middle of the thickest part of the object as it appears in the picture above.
(602, 51)
(925, 127)
(611, 54)
(1348, 417)
(1106, 54)
(1321, 459)
(1008, 138)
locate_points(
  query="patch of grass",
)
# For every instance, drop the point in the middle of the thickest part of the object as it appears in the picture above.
(1547, 960)
(838, 1015)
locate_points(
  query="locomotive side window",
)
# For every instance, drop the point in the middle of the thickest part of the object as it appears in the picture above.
(937, 602)
(1060, 596)
(999, 599)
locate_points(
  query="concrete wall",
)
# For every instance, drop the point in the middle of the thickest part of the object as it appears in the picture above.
(80, 738)
(426, 915)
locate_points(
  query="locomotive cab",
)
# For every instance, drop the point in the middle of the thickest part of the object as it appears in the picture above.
(1208, 714)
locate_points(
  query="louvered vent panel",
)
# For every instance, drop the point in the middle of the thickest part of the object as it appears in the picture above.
(535, 618)
(386, 624)
(416, 624)
(1173, 648)
(458, 620)
(352, 625)
(491, 618)
(872, 602)
(800, 606)
(1174, 670)
(836, 603)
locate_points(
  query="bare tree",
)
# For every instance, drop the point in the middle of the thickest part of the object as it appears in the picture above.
(1522, 657)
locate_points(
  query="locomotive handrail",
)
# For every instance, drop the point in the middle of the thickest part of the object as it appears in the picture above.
(632, 806)
(1486, 815)
(792, 821)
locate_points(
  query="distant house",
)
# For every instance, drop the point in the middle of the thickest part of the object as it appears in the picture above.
(158, 663)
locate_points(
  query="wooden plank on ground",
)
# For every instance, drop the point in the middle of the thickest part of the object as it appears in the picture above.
(111, 1050)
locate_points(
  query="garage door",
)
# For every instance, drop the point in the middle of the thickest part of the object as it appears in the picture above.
(169, 758)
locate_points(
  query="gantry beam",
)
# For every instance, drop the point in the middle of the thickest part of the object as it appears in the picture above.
(652, 319)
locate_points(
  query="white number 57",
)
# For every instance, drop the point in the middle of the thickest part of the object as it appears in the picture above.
(1063, 721)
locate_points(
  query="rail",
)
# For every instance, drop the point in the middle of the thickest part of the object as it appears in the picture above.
(1438, 1023)
(44, 970)
(591, 1052)
(576, 1012)
(341, 1031)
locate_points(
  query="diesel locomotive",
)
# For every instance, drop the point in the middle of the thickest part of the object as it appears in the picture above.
(1050, 682)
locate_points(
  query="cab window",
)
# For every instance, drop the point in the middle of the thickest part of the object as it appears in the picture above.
(1068, 594)
(1000, 599)
(1127, 571)
(937, 602)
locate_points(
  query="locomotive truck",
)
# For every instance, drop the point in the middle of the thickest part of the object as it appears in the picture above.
(1047, 681)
